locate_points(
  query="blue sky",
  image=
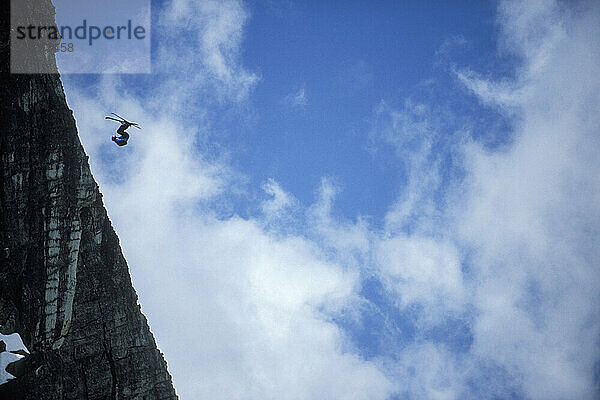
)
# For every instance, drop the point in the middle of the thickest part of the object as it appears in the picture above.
(366, 200)
(324, 68)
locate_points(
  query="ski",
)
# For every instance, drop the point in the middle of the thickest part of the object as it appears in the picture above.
(119, 116)
(122, 120)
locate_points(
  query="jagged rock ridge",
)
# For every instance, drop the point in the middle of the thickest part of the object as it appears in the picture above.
(64, 283)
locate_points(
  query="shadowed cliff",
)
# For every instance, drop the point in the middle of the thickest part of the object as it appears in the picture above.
(65, 286)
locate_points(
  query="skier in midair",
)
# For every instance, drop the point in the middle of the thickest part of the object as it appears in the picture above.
(123, 135)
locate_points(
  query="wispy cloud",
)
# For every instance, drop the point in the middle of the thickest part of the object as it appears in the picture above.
(532, 214)
(527, 217)
(200, 42)
(298, 98)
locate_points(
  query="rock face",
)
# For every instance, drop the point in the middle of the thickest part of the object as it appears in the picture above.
(64, 283)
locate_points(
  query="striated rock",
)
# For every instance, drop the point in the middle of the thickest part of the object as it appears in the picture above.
(64, 283)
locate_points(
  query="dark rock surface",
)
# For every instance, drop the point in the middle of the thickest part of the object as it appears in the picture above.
(64, 283)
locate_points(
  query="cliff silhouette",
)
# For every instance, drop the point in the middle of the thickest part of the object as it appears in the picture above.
(65, 286)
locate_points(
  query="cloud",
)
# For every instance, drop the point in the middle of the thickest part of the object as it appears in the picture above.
(422, 270)
(242, 314)
(498, 94)
(531, 213)
(297, 99)
(515, 239)
(430, 372)
(280, 203)
(427, 141)
(200, 42)
(350, 241)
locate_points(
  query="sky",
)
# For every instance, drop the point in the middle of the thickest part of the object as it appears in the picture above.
(361, 200)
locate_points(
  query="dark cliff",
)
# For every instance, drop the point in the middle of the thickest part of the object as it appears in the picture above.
(64, 283)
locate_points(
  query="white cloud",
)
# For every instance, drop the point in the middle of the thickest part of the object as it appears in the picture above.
(501, 94)
(279, 204)
(527, 216)
(422, 270)
(532, 212)
(297, 99)
(241, 314)
(414, 132)
(201, 43)
(349, 241)
(430, 372)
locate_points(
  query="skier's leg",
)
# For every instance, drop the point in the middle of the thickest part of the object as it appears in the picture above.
(122, 128)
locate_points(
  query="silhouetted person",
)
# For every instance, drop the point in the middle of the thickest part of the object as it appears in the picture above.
(123, 137)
